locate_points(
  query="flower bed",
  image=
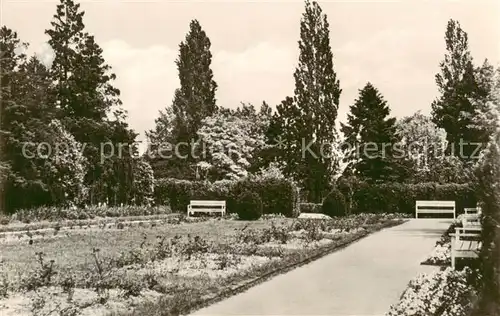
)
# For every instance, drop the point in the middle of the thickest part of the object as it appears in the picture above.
(172, 268)
(54, 214)
(446, 293)
(441, 254)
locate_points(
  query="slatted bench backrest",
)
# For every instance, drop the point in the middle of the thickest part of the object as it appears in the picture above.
(435, 207)
(198, 203)
(206, 206)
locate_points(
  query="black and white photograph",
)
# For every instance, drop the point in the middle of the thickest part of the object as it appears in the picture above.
(249, 157)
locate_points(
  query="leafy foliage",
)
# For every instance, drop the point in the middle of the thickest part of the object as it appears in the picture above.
(424, 146)
(231, 142)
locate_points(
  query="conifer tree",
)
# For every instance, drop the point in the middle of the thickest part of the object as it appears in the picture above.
(88, 104)
(371, 136)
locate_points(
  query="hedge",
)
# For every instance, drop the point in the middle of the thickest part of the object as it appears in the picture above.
(279, 196)
(400, 198)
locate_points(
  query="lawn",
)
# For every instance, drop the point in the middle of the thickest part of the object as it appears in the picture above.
(159, 268)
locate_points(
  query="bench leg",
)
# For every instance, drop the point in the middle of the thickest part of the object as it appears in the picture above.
(452, 256)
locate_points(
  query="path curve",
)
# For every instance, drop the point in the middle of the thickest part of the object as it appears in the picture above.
(363, 279)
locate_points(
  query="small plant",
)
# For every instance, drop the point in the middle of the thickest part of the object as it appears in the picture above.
(279, 233)
(133, 256)
(100, 280)
(4, 286)
(313, 230)
(4, 220)
(226, 260)
(250, 236)
(57, 228)
(193, 246)
(68, 287)
(42, 276)
(130, 286)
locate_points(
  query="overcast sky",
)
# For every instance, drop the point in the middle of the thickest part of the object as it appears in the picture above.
(396, 45)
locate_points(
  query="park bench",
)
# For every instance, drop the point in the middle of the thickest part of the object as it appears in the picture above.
(435, 207)
(471, 217)
(197, 206)
(465, 243)
(471, 210)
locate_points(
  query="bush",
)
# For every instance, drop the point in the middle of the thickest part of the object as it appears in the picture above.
(249, 206)
(334, 204)
(278, 196)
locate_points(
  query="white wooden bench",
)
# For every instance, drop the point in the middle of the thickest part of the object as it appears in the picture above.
(435, 207)
(465, 243)
(471, 210)
(206, 207)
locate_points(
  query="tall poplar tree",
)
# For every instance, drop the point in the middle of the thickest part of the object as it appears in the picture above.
(195, 99)
(307, 121)
(455, 108)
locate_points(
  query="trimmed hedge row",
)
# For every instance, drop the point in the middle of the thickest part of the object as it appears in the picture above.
(400, 198)
(278, 196)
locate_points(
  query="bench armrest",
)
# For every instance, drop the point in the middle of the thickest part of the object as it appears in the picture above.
(466, 232)
(477, 229)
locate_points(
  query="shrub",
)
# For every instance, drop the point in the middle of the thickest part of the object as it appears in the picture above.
(334, 204)
(143, 187)
(249, 206)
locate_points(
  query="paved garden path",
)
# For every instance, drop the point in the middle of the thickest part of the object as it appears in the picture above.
(363, 279)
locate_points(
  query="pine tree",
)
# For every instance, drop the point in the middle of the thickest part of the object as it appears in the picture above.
(307, 120)
(455, 108)
(371, 136)
(86, 100)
